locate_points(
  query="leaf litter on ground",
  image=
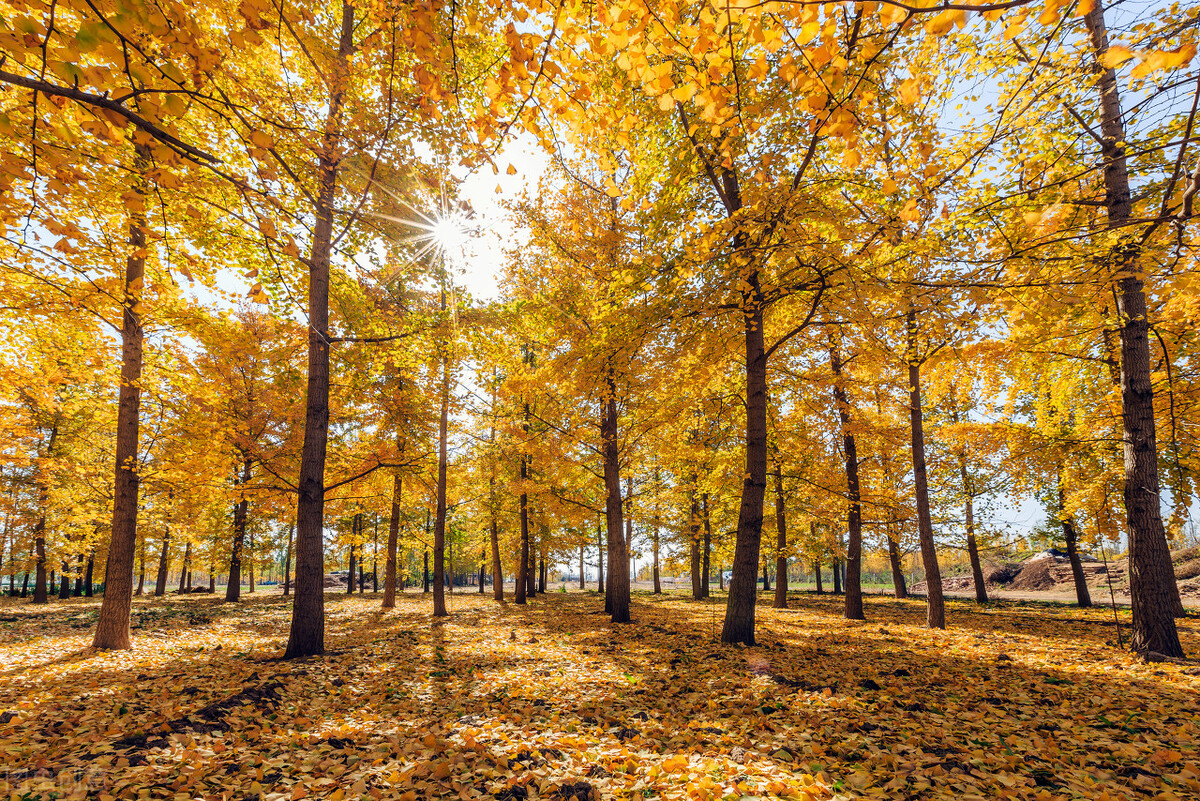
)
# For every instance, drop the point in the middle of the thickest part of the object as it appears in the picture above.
(1015, 700)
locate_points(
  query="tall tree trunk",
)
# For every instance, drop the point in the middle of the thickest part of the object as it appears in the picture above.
(582, 581)
(112, 624)
(78, 589)
(531, 570)
(1082, 596)
(817, 572)
(307, 634)
(972, 545)
(425, 574)
(781, 582)
(64, 590)
(350, 570)
(766, 578)
(233, 587)
(439, 524)
(497, 570)
(837, 575)
(853, 586)
(706, 551)
(393, 541)
(898, 585)
(694, 543)
(141, 567)
(618, 558)
(482, 568)
(41, 594)
(739, 609)
(88, 575)
(287, 562)
(1152, 587)
(600, 583)
(160, 580)
(629, 523)
(187, 563)
(521, 579)
(657, 578)
(935, 616)
(250, 561)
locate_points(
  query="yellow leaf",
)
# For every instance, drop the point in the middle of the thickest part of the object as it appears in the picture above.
(909, 92)
(1115, 56)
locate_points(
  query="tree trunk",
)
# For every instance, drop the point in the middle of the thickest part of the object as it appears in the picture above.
(497, 570)
(618, 596)
(706, 551)
(41, 594)
(1082, 596)
(853, 586)
(694, 543)
(657, 579)
(482, 568)
(64, 589)
(739, 609)
(439, 523)
(837, 575)
(350, 571)
(531, 570)
(781, 582)
(521, 579)
(88, 575)
(233, 587)
(250, 562)
(600, 585)
(78, 590)
(1152, 587)
(817, 571)
(393, 541)
(307, 634)
(160, 580)
(935, 616)
(112, 624)
(287, 562)
(425, 573)
(898, 585)
(187, 562)
(766, 578)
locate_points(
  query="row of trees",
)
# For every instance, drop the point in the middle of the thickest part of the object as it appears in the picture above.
(871, 264)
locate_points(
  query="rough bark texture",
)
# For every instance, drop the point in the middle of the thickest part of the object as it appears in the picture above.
(618, 596)
(185, 572)
(40, 593)
(1152, 588)
(287, 562)
(781, 583)
(307, 634)
(160, 579)
(706, 550)
(972, 545)
(899, 587)
(439, 523)
(1082, 596)
(112, 624)
(88, 575)
(935, 616)
(233, 588)
(739, 609)
(853, 586)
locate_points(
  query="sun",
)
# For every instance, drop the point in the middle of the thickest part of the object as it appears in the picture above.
(448, 233)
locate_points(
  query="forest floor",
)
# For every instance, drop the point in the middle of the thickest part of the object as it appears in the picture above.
(1015, 700)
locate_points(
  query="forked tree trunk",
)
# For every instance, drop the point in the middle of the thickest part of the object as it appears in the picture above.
(853, 586)
(233, 587)
(112, 624)
(781, 582)
(307, 634)
(935, 616)
(1152, 587)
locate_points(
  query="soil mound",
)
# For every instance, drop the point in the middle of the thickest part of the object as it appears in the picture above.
(1035, 576)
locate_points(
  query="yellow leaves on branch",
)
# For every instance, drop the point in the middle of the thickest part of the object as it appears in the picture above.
(1149, 61)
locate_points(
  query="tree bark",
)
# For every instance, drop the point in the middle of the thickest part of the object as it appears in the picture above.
(41, 594)
(187, 562)
(160, 580)
(899, 587)
(425, 574)
(694, 543)
(706, 551)
(287, 562)
(141, 567)
(600, 584)
(64, 589)
(1082, 596)
(521, 579)
(781, 583)
(935, 617)
(439, 523)
(233, 587)
(393, 541)
(739, 609)
(112, 624)
(497, 570)
(618, 596)
(1152, 587)
(307, 634)
(837, 575)
(853, 585)
(77, 591)
(88, 575)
